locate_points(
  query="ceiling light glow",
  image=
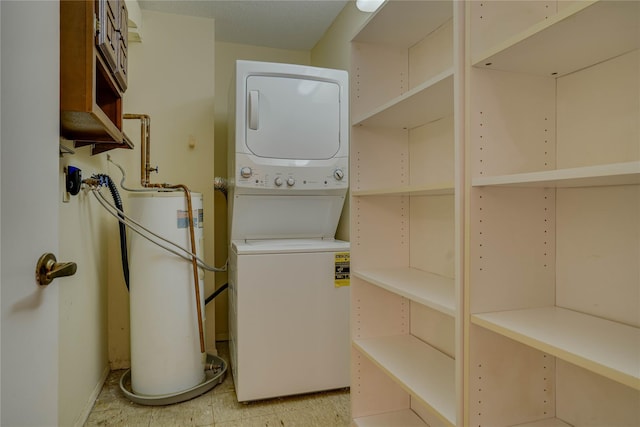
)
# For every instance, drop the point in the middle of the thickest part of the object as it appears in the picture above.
(368, 5)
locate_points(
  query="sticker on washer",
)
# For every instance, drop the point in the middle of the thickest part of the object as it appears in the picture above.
(342, 273)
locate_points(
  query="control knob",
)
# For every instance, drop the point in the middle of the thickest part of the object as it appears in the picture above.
(338, 174)
(290, 181)
(278, 181)
(246, 172)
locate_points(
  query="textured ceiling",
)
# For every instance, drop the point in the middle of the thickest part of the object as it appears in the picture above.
(288, 24)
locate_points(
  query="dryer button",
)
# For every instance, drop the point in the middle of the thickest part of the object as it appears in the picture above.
(290, 182)
(278, 181)
(246, 172)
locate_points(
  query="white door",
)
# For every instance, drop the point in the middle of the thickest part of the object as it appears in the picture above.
(29, 200)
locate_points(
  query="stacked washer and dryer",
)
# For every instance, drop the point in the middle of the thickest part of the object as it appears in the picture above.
(288, 276)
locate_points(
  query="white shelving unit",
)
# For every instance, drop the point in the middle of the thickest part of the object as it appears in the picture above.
(405, 214)
(424, 190)
(587, 176)
(416, 106)
(553, 212)
(406, 418)
(428, 289)
(571, 335)
(424, 372)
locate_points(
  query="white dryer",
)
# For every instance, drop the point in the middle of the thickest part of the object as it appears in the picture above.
(288, 277)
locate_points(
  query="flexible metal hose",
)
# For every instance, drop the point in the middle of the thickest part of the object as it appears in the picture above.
(141, 230)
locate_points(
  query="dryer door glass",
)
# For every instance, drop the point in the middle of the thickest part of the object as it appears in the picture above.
(292, 118)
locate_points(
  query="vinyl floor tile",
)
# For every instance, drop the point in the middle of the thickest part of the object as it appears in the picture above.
(220, 408)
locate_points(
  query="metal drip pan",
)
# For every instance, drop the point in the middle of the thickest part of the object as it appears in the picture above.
(212, 379)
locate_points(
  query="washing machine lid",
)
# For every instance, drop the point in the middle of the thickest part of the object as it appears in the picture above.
(275, 246)
(293, 117)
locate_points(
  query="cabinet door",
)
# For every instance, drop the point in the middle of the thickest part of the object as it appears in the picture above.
(121, 71)
(107, 35)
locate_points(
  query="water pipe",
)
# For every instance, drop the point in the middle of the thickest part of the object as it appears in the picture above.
(145, 171)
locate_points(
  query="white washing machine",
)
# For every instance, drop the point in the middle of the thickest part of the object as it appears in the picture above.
(288, 277)
(289, 327)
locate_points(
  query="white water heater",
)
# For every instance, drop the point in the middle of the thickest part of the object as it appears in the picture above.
(165, 343)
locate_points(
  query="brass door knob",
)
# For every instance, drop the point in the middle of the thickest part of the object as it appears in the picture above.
(48, 269)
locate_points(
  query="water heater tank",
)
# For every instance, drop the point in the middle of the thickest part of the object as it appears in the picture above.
(165, 344)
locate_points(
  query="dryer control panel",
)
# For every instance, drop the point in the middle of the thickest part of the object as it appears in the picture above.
(303, 177)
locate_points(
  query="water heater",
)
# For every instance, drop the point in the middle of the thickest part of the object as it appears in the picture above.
(165, 345)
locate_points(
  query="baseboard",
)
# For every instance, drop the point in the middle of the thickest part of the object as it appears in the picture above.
(84, 415)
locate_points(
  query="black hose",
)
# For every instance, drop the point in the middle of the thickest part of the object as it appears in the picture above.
(106, 180)
(216, 293)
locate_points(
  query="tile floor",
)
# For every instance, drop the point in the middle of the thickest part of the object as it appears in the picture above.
(219, 408)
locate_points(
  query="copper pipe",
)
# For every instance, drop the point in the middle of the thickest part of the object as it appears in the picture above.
(147, 166)
(145, 181)
(194, 262)
(145, 147)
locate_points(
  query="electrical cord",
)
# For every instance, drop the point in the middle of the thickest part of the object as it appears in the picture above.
(142, 190)
(135, 227)
(216, 293)
(122, 223)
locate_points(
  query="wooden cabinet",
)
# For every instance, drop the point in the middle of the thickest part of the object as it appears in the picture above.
(405, 216)
(93, 73)
(112, 37)
(108, 30)
(553, 213)
(121, 71)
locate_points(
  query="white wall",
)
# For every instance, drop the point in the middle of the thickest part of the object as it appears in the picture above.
(82, 345)
(333, 50)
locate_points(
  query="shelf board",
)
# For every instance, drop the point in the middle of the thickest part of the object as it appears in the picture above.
(425, 103)
(431, 290)
(556, 46)
(588, 176)
(424, 372)
(405, 418)
(422, 190)
(547, 422)
(417, 18)
(602, 346)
